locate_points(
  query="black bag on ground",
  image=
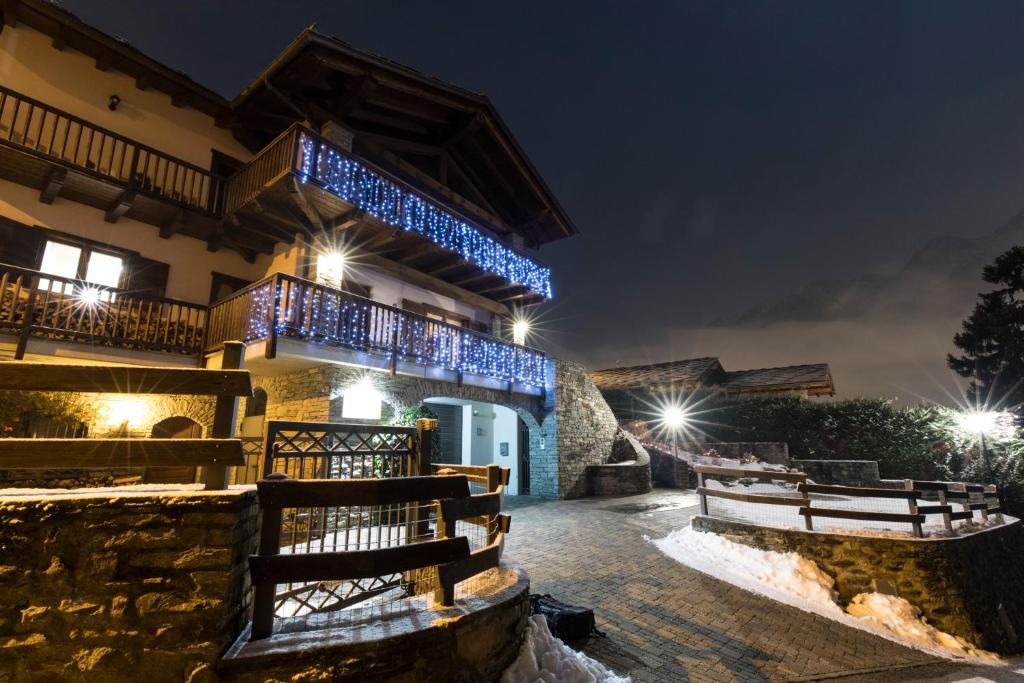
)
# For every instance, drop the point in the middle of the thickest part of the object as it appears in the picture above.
(567, 623)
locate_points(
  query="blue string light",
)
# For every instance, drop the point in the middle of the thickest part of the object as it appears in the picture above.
(332, 317)
(394, 205)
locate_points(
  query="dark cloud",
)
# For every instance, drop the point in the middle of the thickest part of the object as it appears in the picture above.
(717, 156)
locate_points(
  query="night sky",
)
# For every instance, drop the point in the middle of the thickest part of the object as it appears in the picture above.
(716, 156)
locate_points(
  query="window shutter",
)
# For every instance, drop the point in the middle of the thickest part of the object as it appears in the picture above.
(20, 245)
(147, 276)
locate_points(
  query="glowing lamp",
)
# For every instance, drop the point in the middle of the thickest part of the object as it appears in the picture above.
(89, 296)
(330, 267)
(361, 401)
(673, 417)
(125, 412)
(520, 328)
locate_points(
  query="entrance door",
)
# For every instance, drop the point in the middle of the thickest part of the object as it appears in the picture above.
(174, 428)
(524, 458)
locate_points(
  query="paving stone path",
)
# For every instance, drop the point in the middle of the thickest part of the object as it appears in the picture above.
(666, 622)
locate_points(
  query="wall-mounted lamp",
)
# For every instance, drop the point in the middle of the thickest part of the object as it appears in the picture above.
(115, 100)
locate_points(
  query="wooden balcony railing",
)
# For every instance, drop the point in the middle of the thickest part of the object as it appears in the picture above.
(44, 131)
(291, 307)
(33, 304)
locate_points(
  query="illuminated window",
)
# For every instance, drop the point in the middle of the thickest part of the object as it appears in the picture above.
(104, 269)
(62, 260)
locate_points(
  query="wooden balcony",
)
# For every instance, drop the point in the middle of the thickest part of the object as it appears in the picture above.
(38, 306)
(35, 305)
(63, 155)
(283, 307)
(302, 183)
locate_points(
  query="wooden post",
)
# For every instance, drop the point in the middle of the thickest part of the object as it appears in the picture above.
(270, 544)
(393, 369)
(494, 482)
(275, 305)
(965, 503)
(703, 498)
(421, 467)
(225, 417)
(947, 520)
(991, 491)
(908, 484)
(29, 320)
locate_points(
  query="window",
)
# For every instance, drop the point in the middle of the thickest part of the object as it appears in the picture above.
(80, 263)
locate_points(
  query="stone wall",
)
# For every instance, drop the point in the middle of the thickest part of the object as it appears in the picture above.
(842, 472)
(473, 641)
(967, 586)
(627, 474)
(775, 453)
(137, 587)
(668, 470)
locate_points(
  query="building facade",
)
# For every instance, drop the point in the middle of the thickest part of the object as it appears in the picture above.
(369, 232)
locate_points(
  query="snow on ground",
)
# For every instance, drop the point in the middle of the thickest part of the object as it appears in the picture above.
(797, 581)
(546, 659)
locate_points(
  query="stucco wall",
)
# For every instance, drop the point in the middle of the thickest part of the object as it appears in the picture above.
(968, 586)
(147, 587)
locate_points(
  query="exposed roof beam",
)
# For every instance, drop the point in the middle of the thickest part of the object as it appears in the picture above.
(119, 206)
(173, 225)
(392, 142)
(53, 184)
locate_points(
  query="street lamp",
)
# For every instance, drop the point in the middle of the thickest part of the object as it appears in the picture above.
(674, 419)
(986, 423)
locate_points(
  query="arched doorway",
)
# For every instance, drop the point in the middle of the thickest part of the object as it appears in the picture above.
(478, 433)
(176, 427)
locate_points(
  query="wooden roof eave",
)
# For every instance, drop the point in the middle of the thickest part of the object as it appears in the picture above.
(68, 30)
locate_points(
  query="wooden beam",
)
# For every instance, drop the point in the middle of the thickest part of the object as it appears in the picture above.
(391, 142)
(179, 99)
(173, 225)
(10, 8)
(463, 129)
(22, 376)
(142, 83)
(105, 453)
(53, 184)
(120, 206)
(420, 279)
(216, 239)
(348, 219)
(356, 564)
(59, 42)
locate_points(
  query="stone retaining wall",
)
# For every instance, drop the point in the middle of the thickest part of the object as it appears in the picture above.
(473, 641)
(149, 587)
(841, 472)
(775, 453)
(967, 586)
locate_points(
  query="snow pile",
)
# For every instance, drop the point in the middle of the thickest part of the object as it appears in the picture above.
(797, 581)
(896, 615)
(546, 659)
(783, 573)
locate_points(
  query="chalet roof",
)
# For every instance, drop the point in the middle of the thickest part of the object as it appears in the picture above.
(110, 51)
(681, 374)
(445, 139)
(696, 373)
(410, 122)
(815, 378)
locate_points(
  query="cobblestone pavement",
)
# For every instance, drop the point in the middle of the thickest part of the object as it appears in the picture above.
(666, 622)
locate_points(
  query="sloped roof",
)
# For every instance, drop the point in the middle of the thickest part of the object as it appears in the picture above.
(681, 374)
(815, 378)
(693, 373)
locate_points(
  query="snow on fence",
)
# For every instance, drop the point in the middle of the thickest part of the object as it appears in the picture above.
(787, 500)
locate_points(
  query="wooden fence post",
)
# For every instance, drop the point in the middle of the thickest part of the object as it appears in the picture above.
(908, 484)
(494, 481)
(703, 498)
(264, 594)
(947, 520)
(421, 467)
(225, 417)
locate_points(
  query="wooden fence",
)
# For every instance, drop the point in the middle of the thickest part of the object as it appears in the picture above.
(213, 454)
(349, 498)
(969, 497)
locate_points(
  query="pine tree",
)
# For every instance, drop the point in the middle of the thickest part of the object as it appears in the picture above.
(992, 339)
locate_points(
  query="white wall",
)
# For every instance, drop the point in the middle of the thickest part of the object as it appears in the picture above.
(483, 434)
(70, 81)
(506, 429)
(191, 264)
